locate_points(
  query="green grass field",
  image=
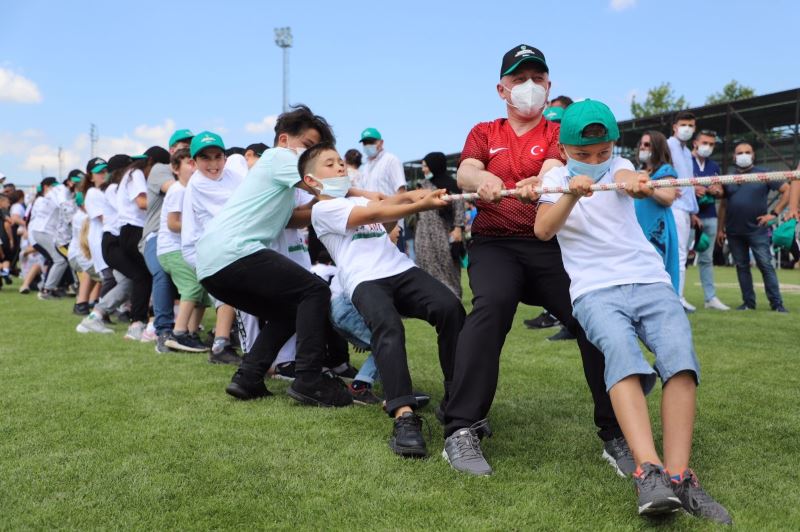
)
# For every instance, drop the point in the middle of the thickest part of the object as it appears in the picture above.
(99, 433)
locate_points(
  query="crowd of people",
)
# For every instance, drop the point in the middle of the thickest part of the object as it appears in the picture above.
(301, 251)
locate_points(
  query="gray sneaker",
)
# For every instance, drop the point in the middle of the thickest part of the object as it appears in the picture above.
(697, 502)
(93, 324)
(161, 342)
(462, 450)
(619, 455)
(655, 490)
(135, 331)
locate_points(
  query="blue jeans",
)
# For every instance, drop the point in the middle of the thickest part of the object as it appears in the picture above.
(705, 259)
(758, 243)
(349, 323)
(163, 290)
(615, 318)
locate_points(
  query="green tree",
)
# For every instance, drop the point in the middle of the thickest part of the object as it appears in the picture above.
(730, 92)
(659, 100)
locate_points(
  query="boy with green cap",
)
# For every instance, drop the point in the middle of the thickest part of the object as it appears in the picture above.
(620, 294)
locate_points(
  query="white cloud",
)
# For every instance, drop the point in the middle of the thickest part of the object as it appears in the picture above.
(17, 88)
(621, 5)
(267, 124)
(46, 156)
(158, 134)
(12, 144)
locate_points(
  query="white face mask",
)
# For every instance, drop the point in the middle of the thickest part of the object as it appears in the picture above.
(705, 150)
(299, 151)
(370, 150)
(744, 160)
(528, 98)
(685, 133)
(644, 156)
(335, 187)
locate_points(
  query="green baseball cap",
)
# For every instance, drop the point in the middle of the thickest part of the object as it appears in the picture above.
(370, 133)
(581, 114)
(554, 114)
(783, 235)
(179, 135)
(203, 140)
(139, 157)
(702, 243)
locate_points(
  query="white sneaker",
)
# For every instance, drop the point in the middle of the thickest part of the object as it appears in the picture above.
(149, 334)
(715, 304)
(688, 307)
(93, 324)
(135, 331)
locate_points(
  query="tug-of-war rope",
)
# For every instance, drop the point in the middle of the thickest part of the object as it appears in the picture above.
(736, 179)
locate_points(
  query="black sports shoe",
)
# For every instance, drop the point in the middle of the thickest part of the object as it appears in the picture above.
(349, 372)
(745, 306)
(284, 371)
(320, 390)
(780, 308)
(654, 489)
(186, 342)
(244, 389)
(226, 356)
(362, 393)
(544, 320)
(697, 502)
(81, 309)
(124, 317)
(407, 439)
(563, 334)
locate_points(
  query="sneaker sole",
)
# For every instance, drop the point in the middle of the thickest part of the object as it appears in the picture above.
(610, 459)
(279, 377)
(85, 330)
(365, 403)
(179, 347)
(666, 505)
(307, 400)
(447, 459)
(408, 452)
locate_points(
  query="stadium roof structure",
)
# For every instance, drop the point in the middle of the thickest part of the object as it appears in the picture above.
(771, 122)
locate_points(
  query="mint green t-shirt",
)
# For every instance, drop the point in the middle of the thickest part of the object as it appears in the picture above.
(256, 213)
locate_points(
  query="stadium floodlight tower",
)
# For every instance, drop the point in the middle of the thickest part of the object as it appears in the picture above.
(283, 38)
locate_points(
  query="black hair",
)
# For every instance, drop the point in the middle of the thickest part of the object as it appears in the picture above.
(301, 119)
(739, 143)
(48, 182)
(683, 115)
(353, 157)
(310, 155)
(258, 148)
(565, 101)
(235, 150)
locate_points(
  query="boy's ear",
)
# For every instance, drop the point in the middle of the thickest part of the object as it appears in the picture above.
(562, 151)
(308, 184)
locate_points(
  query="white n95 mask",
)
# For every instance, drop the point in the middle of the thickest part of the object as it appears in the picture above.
(528, 98)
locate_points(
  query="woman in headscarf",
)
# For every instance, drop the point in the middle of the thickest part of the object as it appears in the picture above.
(438, 241)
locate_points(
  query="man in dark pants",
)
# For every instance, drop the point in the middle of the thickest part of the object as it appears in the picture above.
(508, 264)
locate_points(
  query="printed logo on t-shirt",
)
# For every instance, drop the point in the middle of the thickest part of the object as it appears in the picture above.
(369, 231)
(492, 151)
(537, 150)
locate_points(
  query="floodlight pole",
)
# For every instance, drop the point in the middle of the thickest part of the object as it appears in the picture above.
(283, 38)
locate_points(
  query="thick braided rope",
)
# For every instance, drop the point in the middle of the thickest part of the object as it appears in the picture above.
(736, 179)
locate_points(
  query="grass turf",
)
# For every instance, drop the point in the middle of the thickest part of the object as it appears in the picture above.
(97, 432)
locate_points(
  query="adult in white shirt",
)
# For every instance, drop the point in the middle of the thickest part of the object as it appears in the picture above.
(685, 205)
(382, 172)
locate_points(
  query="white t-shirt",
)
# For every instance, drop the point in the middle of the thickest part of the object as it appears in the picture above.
(383, 174)
(168, 240)
(602, 243)
(17, 209)
(110, 217)
(361, 254)
(202, 201)
(44, 215)
(74, 251)
(132, 185)
(324, 271)
(94, 203)
(291, 243)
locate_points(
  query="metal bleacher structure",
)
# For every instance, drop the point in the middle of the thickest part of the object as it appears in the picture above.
(770, 122)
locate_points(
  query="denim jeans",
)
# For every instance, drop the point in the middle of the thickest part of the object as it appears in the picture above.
(758, 243)
(162, 291)
(705, 259)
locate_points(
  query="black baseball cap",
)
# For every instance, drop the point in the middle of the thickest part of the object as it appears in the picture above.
(97, 164)
(119, 161)
(518, 55)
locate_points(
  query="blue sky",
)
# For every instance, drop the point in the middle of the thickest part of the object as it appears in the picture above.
(423, 73)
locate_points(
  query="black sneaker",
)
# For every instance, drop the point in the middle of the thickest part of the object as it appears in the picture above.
(697, 502)
(107, 319)
(619, 455)
(245, 389)
(320, 390)
(362, 394)
(349, 372)
(780, 308)
(284, 371)
(563, 334)
(226, 356)
(745, 306)
(654, 489)
(407, 439)
(186, 342)
(161, 342)
(124, 317)
(81, 309)
(545, 320)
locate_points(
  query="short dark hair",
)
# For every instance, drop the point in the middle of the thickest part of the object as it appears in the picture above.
(744, 142)
(301, 119)
(593, 131)
(234, 150)
(683, 115)
(308, 157)
(258, 148)
(178, 156)
(566, 101)
(353, 157)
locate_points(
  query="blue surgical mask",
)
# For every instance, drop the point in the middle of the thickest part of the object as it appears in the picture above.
(428, 175)
(370, 150)
(335, 187)
(594, 171)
